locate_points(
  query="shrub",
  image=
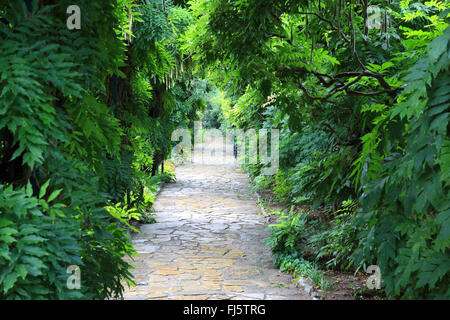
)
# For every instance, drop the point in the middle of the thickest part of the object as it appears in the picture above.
(38, 242)
(288, 244)
(335, 243)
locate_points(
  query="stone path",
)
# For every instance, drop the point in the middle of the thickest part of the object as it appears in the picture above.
(207, 242)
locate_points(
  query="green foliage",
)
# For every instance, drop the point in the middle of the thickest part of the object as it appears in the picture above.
(104, 241)
(85, 118)
(287, 242)
(288, 233)
(406, 206)
(335, 244)
(213, 115)
(295, 263)
(301, 244)
(123, 214)
(363, 114)
(38, 241)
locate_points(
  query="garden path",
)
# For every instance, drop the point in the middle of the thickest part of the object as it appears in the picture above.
(208, 240)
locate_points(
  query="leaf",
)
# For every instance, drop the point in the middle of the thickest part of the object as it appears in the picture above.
(9, 281)
(34, 263)
(21, 271)
(443, 219)
(8, 231)
(33, 238)
(440, 122)
(35, 251)
(43, 189)
(5, 222)
(7, 239)
(387, 65)
(54, 195)
(29, 190)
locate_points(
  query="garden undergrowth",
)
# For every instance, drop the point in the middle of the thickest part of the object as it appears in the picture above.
(307, 244)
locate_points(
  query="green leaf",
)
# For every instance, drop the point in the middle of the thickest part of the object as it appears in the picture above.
(21, 271)
(35, 251)
(33, 238)
(5, 222)
(9, 281)
(54, 195)
(43, 189)
(29, 190)
(8, 231)
(7, 239)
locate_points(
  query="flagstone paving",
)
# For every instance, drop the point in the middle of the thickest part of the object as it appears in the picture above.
(207, 242)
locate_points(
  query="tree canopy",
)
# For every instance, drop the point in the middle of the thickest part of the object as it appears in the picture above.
(363, 112)
(359, 89)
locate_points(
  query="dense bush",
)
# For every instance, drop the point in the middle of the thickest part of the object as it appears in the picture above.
(85, 121)
(337, 240)
(288, 245)
(38, 243)
(406, 205)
